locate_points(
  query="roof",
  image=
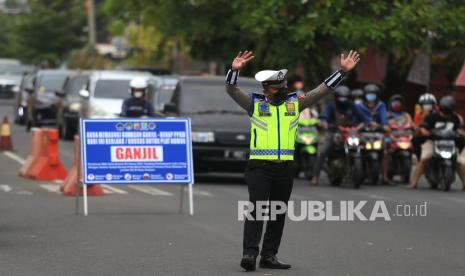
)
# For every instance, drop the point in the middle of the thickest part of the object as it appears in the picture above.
(114, 74)
(460, 80)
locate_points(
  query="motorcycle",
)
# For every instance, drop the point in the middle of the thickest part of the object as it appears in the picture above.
(440, 171)
(400, 151)
(372, 141)
(344, 163)
(307, 144)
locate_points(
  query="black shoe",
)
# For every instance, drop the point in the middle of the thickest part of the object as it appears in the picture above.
(273, 263)
(248, 262)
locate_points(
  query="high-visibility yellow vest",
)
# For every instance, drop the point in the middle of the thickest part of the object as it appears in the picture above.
(273, 128)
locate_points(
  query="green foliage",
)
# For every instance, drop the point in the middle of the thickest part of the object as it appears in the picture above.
(47, 33)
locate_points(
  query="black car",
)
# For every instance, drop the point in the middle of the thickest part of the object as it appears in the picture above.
(42, 101)
(220, 128)
(69, 105)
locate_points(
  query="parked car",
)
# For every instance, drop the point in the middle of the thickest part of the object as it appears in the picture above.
(220, 128)
(20, 107)
(42, 100)
(105, 92)
(69, 104)
(11, 73)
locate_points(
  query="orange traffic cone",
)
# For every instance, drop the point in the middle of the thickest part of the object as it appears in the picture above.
(34, 152)
(48, 166)
(69, 185)
(5, 139)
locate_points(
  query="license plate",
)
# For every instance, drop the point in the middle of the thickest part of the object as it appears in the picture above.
(235, 154)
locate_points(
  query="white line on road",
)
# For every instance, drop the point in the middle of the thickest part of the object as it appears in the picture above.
(150, 190)
(112, 190)
(58, 181)
(199, 192)
(54, 188)
(5, 188)
(15, 157)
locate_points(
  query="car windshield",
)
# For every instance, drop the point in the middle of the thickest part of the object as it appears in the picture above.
(210, 97)
(52, 83)
(11, 69)
(76, 84)
(112, 89)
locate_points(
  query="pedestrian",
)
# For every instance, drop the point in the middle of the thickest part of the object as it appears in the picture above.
(137, 105)
(274, 117)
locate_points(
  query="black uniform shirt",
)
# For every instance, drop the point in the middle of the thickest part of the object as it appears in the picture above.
(135, 108)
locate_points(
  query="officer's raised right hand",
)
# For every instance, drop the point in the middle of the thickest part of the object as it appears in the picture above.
(241, 60)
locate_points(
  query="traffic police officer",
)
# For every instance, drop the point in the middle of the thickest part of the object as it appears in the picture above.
(137, 105)
(274, 117)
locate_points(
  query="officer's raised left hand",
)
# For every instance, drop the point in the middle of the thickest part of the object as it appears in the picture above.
(349, 62)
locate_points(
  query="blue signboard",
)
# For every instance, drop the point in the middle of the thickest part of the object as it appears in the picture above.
(131, 151)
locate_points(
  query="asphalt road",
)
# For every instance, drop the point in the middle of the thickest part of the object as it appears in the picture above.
(138, 230)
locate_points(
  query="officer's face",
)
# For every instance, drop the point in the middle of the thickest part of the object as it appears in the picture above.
(268, 90)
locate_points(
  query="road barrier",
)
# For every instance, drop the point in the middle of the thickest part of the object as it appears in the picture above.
(69, 185)
(34, 152)
(47, 166)
(5, 133)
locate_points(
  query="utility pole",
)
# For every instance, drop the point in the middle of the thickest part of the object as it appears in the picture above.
(90, 7)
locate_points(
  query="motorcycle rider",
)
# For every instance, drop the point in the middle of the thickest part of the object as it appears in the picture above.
(339, 113)
(372, 112)
(137, 105)
(398, 116)
(444, 118)
(356, 96)
(426, 105)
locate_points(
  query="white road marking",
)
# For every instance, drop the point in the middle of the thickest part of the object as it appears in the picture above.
(15, 157)
(58, 181)
(199, 192)
(112, 190)
(5, 188)
(150, 190)
(54, 188)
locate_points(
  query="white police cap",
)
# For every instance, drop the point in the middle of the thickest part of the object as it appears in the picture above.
(272, 77)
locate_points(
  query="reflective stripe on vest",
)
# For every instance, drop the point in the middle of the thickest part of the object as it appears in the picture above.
(273, 128)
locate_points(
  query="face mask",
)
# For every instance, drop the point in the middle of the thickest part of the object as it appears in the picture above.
(358, 101)
(370, 97)
(396, 106)
(427, 107)
(138, 94)
(279, 96)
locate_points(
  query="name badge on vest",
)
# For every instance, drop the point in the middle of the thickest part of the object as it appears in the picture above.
(264, 109)
(290, 109)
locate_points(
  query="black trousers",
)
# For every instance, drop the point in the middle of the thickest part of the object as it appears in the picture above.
(266, 181)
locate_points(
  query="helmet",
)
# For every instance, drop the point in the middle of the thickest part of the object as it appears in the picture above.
(371, 92)
(356, 93)
(342, 94)
(447, 105)
(396, 103)
(427, 98)
(137, 87)
(138, 83)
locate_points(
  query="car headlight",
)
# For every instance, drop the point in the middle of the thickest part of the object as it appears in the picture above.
(445, 154)
(203, 137)
(377, 145)
(353, 141)
(15, 89)
(75, 107)
(101, 114)
(368, 146)
(404, 145)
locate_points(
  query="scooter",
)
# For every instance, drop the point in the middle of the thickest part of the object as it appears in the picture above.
(440, 171)
(344, 163)
(372, 141)
(307, 145)
(400, 151)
